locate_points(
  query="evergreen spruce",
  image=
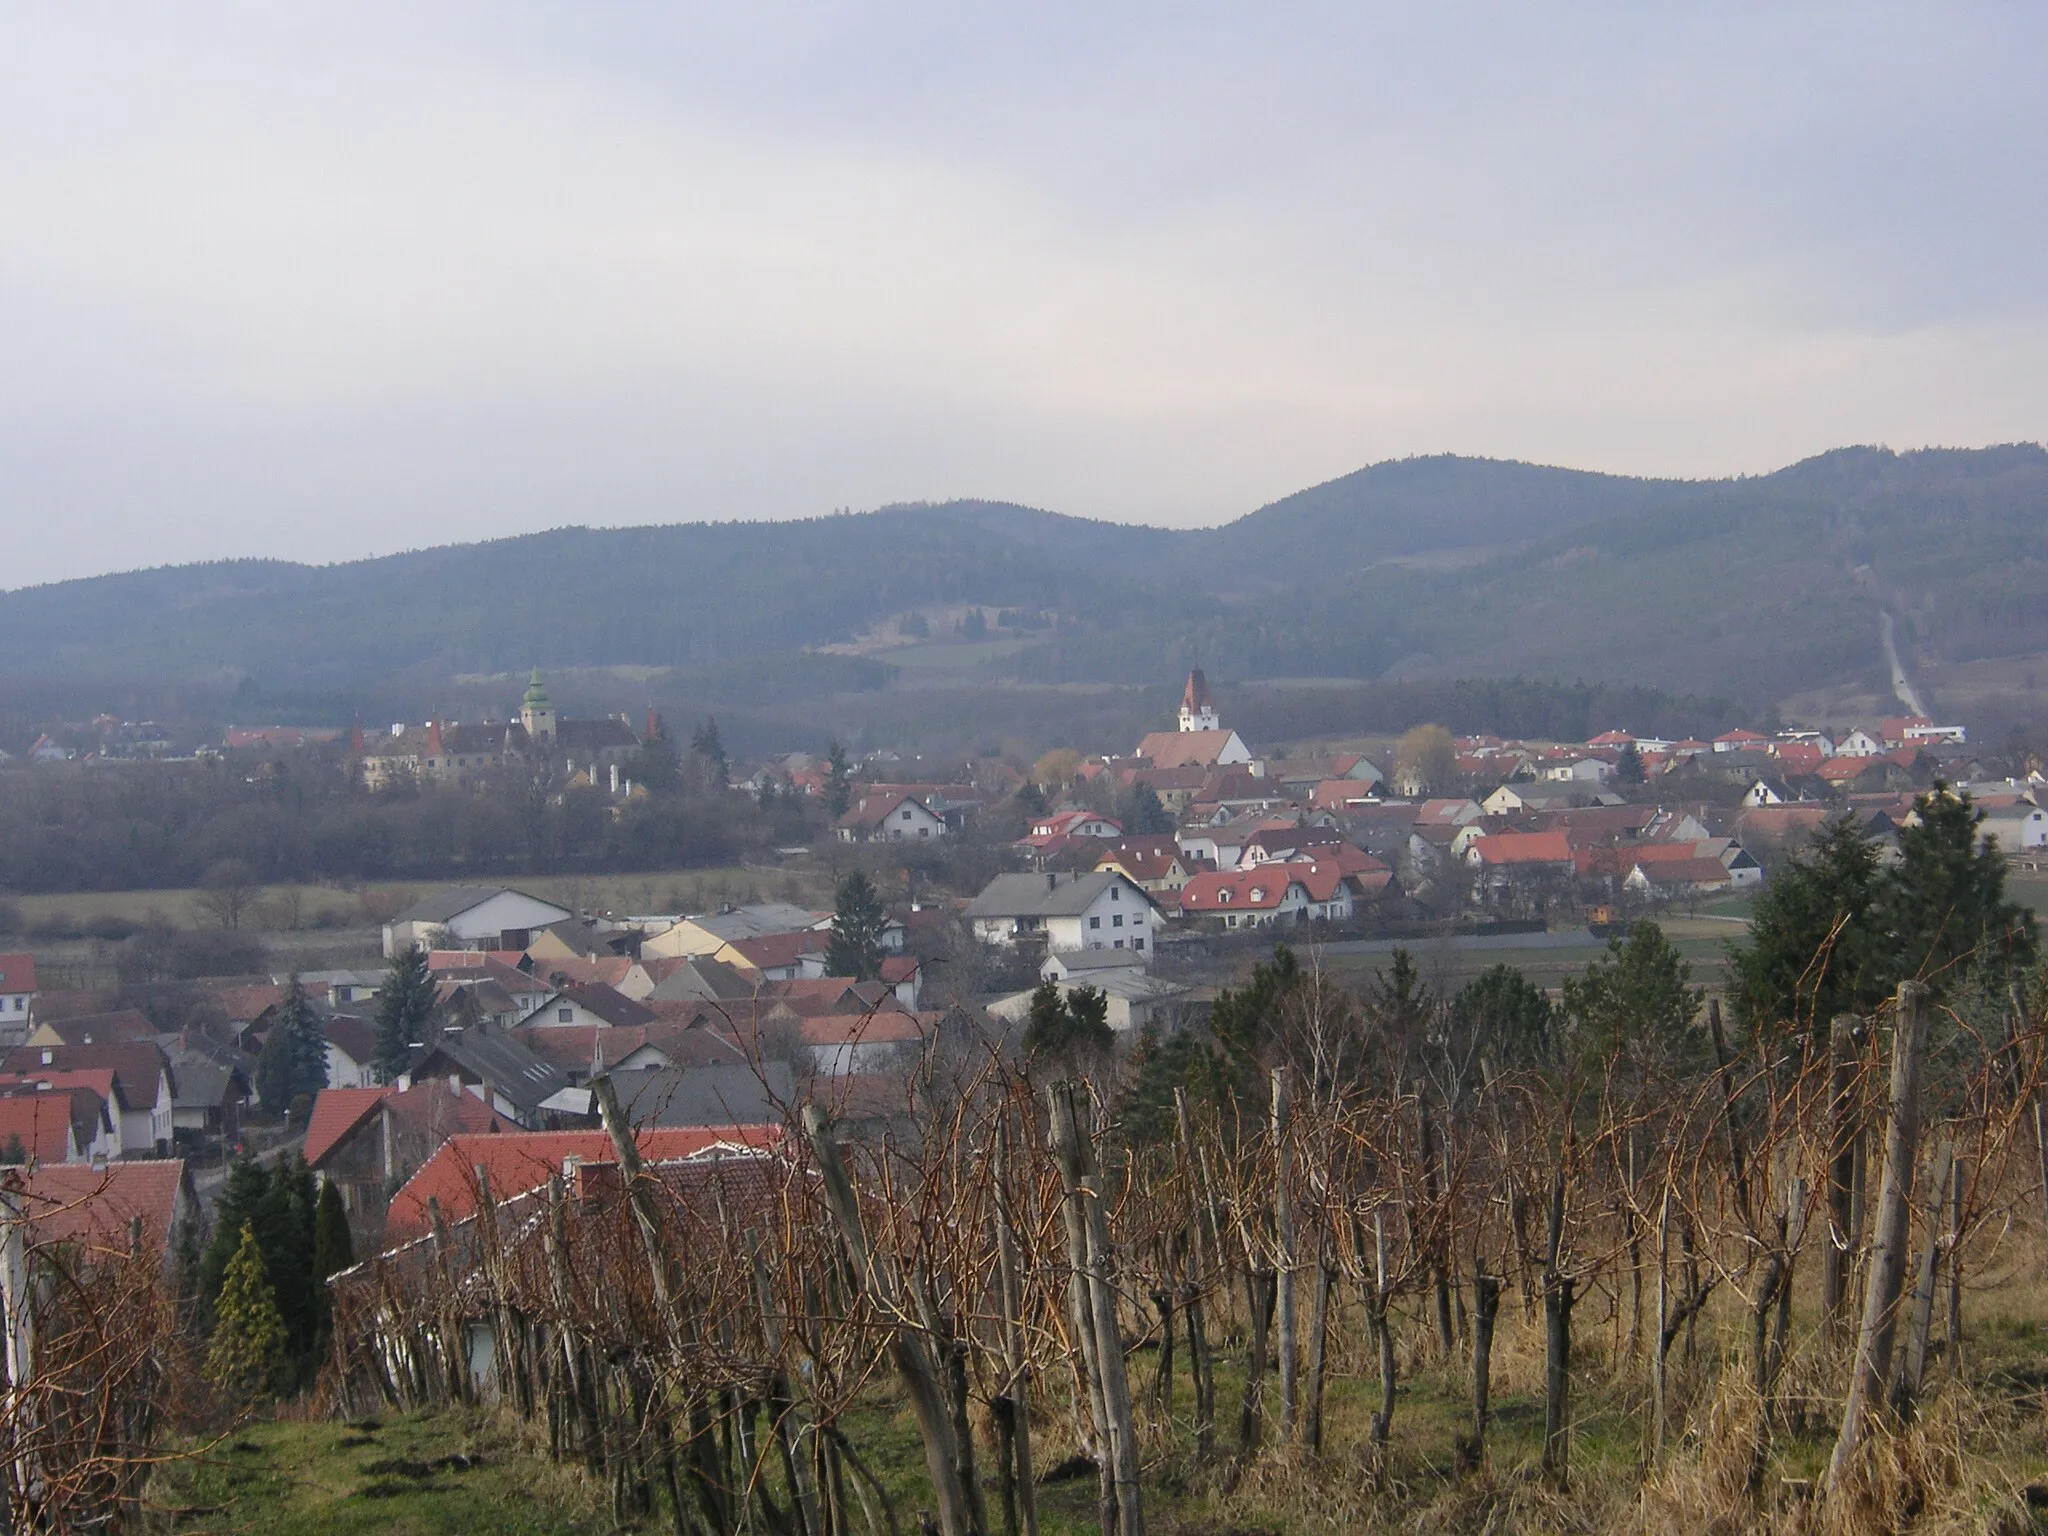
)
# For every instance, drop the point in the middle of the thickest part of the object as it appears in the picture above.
(307, 1037)
(1812, 951)
(858, 919)
(333, 1248)
(248, 1348)
(404, 1005)
(1943, 907)
(247, 1183)
(838, 781)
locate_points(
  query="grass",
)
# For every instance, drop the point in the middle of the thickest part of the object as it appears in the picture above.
(1981, 1439)
(316, 1478)
(331, 906)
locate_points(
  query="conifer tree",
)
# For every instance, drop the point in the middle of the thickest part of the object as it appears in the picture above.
(404, 1004)
(838, 781)
(306, 1037)
(248, 1345)
(333, 1248)
(858, 919)
(248, 1181)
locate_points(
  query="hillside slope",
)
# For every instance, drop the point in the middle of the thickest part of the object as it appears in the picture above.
(1751, 587)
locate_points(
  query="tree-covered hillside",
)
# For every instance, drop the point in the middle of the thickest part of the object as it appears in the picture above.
(1749, 588)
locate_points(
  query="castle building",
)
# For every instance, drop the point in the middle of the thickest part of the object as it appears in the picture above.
(440, 752)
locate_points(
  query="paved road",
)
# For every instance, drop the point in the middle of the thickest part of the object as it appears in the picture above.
(1902, 685)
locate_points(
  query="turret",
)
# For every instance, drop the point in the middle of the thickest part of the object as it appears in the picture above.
(537, 710)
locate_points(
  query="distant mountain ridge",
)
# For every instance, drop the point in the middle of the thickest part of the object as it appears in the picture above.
(1751, 587)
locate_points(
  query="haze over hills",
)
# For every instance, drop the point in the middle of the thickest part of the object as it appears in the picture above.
(1751, 589)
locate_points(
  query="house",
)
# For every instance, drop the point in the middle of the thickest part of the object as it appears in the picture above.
(892, 816)
(1791, 791)
(1156, 865)
(1669, 878)
(40, 1125)
(1300, 891)
(107, 1209)
(141, 1076)
(520, 1163)
(849, 1044)
(517, 981)
(778, 956)
(207, 1098)
(1136, 1000)
(1541, 796)
(582, 938)
(705, 1096)
(486, 917)
(17, 994)
(581, 1053)
(1739, 740)
(351, 1052)
(497, 1068)
(624, 974)
(340, 989)
(709, 934)
(581, 1007)
(1100, 910)
(1579, 770)
(119, 1026)
(2020, 828)
(1073, 823)
(1859, 743)
(700, 979)
(904, 975)
(367, 1141)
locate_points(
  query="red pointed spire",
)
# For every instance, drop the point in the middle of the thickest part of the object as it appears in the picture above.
(433, 738)
(355, 739)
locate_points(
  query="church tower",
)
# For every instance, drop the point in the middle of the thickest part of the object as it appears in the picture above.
(1197, 709)
(537, 711)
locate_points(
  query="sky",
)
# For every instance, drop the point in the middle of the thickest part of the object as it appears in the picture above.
(321, 282)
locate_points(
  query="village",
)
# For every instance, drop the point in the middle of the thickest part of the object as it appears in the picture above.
(1140, 882)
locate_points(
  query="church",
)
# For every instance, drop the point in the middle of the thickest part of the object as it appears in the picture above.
(1203, 741)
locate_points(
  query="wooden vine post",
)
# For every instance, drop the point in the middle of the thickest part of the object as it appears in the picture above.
(1083, 1183)
(1870, 1372)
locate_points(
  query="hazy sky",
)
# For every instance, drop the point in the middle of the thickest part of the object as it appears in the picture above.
(323, 282)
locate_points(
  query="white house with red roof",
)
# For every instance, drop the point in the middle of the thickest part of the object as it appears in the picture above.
(1304, 890)
(1739, 740)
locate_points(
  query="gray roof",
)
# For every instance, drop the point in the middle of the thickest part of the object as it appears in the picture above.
(444, 906)
(1072, 960)
(704, 980)
(201, 1084)
(1044, 895)
(503, 1062)
(756, 921)
(720, 1095)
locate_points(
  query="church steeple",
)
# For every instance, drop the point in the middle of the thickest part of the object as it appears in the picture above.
(1197, 709)
(537, 710)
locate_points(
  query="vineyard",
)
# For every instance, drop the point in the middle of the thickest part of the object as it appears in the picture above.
(1762, 1260)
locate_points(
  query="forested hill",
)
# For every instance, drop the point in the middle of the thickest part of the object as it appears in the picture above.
(1749, 588)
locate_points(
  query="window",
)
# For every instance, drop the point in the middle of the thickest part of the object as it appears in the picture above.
(1117, 921)
(924, 831)
(1115, 892)
(906, 813)
(1094, 922)
(565, 1015)
(1119, 944)
(1137, 943)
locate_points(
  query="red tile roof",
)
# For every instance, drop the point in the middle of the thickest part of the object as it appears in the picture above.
(77, 1203)
(336, 1112)
(41, 1122)
(429, 1107)
(103, 1028)
(357, 1037)
(17, 973)
(897, 969)
(1184, 749)
(140, 1066)
(775, 951)
(1522, 848)
(522, 1161)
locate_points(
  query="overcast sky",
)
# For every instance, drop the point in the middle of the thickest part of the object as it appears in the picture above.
(327, 282)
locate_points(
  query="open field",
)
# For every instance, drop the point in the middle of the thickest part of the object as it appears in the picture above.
(366, 905)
